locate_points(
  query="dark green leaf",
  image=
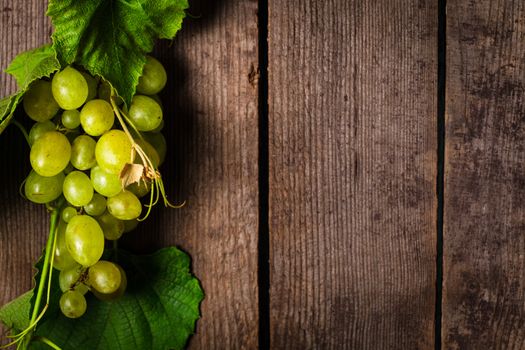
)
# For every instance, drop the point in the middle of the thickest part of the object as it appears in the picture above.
(157, 312)
(110, 38)
(15, 314)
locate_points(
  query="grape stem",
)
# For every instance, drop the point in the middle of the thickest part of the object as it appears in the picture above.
(22, 130)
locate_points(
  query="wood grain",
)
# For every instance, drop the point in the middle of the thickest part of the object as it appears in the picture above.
(212, 131)
(484, 223)
(353, 142)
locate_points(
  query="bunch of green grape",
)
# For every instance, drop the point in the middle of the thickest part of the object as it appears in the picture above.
(78, 151)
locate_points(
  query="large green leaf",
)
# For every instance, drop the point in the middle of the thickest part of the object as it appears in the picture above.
(157, 312)
(15, 314)
(110, 38)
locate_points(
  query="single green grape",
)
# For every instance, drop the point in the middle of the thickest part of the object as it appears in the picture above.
(73, 304)
(113, 151)
(130, 225)
(150, 152)
(71, 119)
(92, 83)
(39, 103)
(97, 117)
(153, 78)
(39, 129)
(84, 240)
(50, 153)
(158, 142)
(107, 184)
(97, 206)
(124, 206)
(83, 152)
(116, 294)
(104, 277)
(145, 113)
(78, 189)
(68, 213)
(63, 260)
(140, 189)
(112, 227)
(104, 93)
(41, 189)
(70, 88)
(71, 277)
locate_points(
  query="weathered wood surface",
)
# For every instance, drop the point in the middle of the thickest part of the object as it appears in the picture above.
(353, 142)
(484, 223)
(212, 133)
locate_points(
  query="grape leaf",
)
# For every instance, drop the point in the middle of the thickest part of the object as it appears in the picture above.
(157, 312)
(110, 38)
(26, 68)
(15, 314)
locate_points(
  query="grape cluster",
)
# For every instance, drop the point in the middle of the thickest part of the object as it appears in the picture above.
(79, 151)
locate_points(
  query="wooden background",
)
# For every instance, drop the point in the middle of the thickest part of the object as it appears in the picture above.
(317, 217)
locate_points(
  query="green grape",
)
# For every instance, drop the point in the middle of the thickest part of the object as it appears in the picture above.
(140, 189)
(97, 117)
(130, 225)
(104, 93)
(104, 277)
(124, 206)
(70, 88)
(158, 142)
(112, 227)
(153, 78)
(97, 206)
(145, 113)
(119, 292)
(113, 151)
(107, 184)
(39, 103)
(92, 83)
(41, 189)
(71, 119)
(68, 213)
(50, 153)
(150, 152)
(39, 129)
(84, 240)
(62, 260)
(78, 189)
(71, 277)
(83, 152)
(73, 304)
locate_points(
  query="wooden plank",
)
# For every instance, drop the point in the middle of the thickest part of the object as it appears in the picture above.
(212, 131)
(353, 139)
(484, 223)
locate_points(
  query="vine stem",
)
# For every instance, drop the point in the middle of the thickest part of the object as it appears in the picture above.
(22, 130)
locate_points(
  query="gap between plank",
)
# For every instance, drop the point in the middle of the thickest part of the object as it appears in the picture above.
(264, 186)
(440, 184)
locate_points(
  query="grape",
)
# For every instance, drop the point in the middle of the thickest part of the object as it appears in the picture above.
(140, 189)
(96, 117)
(50, 153)
(73, 304)
(150, 152)
(71, 119)
(153, 77)
(84, 240)
(97, 206)
(105, 183)
(92, 83)
(40, 189)
(68, 213)
(104, 277)
(70, 277)
(145, 113)
(113, 151)
(119, 292)
(83, 152)
(104, 93)
(158, 142)
(130, 225)
(70, 88)
(39, 103)
(39, 129)
(62, 260)
(78, 189)
(124, 206)
(112, 227)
